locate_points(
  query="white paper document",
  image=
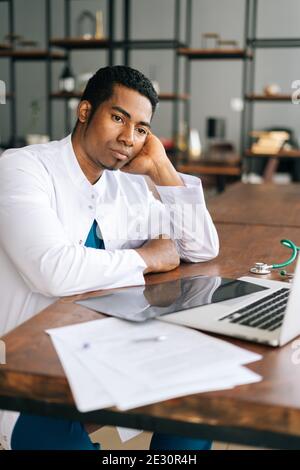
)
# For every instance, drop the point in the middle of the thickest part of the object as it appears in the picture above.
(94, 396)
(112, 362)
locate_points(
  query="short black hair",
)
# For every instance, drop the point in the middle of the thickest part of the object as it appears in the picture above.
(100, 86)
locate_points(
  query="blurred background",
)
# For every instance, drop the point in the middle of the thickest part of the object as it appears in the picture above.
(226, 72)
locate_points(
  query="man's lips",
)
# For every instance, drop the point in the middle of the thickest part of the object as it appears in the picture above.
(120, 155)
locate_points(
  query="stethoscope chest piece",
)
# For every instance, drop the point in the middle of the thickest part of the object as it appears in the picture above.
(261, 268)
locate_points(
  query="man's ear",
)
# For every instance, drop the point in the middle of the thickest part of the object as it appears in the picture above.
(83, 111)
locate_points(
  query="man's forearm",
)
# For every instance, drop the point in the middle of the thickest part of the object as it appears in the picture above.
(165, 175)
(159, 255)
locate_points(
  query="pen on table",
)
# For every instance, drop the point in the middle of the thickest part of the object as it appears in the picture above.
(150, 338)
(135, 340)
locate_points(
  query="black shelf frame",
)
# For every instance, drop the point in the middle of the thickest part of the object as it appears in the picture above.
(12, 72)
(250, 26)
(75, 43)
(202, 54)
(47, 56)
(250, 44)
(12, 75)
(127, 45)
(273, 42)
(165, 44)
(249, 95)
(15, 56)
(246, 55)
(110, 44)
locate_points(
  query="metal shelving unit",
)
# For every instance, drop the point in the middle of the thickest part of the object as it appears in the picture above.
(68, 43)
(270, 98)
(173, 45)
(245, 55)
(48, 55)
(127, 45)
(181, 51)
(214, 54)
(15, 55)
(248, 55)
(250, 96)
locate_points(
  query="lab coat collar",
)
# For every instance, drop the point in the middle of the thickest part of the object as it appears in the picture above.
(75, 171)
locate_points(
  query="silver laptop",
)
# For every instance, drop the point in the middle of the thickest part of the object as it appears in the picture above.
(250, 308)
(271, 316)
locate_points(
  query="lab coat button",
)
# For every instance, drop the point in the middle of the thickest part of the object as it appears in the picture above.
(91, 207)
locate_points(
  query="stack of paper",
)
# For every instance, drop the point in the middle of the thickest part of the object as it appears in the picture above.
(112, 362)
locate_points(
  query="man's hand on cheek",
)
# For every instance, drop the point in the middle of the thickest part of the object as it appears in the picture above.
(152, 161)
(146, 161)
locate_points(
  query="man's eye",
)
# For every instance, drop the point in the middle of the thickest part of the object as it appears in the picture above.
(116, 118)
(141, 131)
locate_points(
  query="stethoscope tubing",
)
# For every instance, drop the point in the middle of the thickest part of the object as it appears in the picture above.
(294, 248)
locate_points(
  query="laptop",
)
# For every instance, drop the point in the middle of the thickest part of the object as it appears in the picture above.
(249, 308)
(142, 303)
(270, 317)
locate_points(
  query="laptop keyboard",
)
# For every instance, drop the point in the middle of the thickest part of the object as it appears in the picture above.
(266, 313)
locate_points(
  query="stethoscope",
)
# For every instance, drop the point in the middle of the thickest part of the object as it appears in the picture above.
(263, 268)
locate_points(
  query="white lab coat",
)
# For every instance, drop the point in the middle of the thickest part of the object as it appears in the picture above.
(47, 207)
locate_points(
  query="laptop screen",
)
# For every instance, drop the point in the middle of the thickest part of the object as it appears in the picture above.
(144, 302)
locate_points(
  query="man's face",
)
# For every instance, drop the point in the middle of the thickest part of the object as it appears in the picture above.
(117, 130)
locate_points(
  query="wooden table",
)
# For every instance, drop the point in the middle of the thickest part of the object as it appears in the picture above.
(273, 160)
(260, 204)
(262, 414)
(219, 164)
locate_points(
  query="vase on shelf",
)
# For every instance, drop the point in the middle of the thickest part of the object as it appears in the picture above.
(86, 25)
(99, 33)
(227, 44)
(152, 77)
(182, 137)
(209, 40)
(194, 150)
(67, 80)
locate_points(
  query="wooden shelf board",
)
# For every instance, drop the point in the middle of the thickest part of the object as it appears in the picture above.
(172, 96)
(261, 97)
(77, 94)
(32, 54)
(214, 53)
(282, 154)
(66, 95)
(198, 169)
(153, 44)
(80, 43)
(5, 47)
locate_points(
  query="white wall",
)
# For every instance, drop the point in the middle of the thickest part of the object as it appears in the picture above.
(213, 83)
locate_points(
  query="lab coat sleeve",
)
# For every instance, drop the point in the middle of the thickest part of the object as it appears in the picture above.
(37, 243)
(192, 227)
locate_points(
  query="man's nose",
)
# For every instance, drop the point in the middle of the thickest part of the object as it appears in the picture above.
(126, 136)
